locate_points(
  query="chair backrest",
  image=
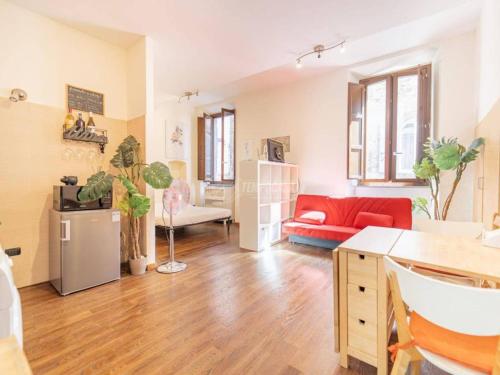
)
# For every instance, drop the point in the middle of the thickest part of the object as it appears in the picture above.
(463, 309)
(466, 229)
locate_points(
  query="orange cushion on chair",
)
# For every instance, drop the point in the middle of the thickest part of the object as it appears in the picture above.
(477, 352)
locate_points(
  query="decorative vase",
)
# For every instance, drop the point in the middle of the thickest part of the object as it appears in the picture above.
(138, 266)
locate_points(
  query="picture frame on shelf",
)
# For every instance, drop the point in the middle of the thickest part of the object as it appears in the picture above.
(275, 151)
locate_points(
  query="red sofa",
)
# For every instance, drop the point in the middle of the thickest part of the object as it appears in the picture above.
(341, 220)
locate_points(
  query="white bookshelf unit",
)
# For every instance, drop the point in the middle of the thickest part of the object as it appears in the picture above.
(268, 193)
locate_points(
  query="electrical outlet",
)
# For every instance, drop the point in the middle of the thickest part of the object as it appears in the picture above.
(13, 251)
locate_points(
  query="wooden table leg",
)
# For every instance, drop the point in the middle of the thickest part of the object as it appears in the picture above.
(382, 316)
(344, 360)
(336, 327)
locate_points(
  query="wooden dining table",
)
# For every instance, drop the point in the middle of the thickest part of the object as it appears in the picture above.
(456, 255)
(436, 252)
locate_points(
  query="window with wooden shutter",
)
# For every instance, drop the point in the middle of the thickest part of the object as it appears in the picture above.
(388, 124)
(216, 147)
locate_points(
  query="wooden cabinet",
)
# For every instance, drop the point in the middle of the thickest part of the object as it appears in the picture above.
(365, 312)
(268, 194)
(487, 184)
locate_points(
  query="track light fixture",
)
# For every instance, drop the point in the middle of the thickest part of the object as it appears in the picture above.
(187, 95)
(318, 50)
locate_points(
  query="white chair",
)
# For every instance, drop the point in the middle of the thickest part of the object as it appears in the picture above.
(461, 309)
(11, 320)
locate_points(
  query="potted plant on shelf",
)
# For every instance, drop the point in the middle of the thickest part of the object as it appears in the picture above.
(133, 204)
(443, 155)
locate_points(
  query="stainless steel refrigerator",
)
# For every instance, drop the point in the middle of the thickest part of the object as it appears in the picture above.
(84, 249)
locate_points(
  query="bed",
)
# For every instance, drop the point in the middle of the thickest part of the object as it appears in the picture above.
(192, 215)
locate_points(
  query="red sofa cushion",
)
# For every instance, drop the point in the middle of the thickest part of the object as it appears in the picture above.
(325, 232)
(311, 217)
(365, 219)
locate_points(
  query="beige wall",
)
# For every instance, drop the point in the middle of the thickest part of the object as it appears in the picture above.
(487, 170)
(313, 112)
(33, 157)
(41, 56)
(489, 57)
(455, 114)
(136, 80)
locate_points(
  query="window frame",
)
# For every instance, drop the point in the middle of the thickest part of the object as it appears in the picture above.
(212, 117)
(423, 122)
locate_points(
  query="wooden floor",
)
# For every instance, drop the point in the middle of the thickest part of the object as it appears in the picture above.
(230, 312)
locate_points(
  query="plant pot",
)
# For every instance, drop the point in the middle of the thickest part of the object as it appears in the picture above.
(138, 266)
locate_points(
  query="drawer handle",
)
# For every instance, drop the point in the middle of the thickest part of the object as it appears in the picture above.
(362, 257)
(361, 321)
(361, 289)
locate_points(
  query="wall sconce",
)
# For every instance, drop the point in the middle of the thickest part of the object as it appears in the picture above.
(18, 95)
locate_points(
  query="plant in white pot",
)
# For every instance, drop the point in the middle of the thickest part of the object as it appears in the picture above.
(133, 204)
(440, 156)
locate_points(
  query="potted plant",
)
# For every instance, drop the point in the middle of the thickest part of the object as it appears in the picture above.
(133, 204)
(443, 155)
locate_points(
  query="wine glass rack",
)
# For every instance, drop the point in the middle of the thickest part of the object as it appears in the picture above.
(98, 136)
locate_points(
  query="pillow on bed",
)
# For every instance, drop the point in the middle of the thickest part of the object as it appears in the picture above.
(311, 217)
(365, 219)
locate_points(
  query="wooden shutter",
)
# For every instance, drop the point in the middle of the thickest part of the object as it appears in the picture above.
(355, 130)
(201, 148)
(224, 113)
(424, 131)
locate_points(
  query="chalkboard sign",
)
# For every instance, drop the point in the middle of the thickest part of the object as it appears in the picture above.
(85, 100)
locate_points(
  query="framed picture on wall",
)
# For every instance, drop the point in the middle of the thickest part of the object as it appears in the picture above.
(175, 140)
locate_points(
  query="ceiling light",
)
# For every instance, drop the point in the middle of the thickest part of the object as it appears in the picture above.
(187, 95)
(318, 51)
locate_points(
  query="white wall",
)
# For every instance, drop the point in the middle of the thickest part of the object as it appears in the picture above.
(41, 56)
(489, 57)
(167, 115)
(313, 112)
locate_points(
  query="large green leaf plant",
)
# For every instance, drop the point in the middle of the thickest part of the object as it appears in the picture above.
(443, 155)
(131, 169)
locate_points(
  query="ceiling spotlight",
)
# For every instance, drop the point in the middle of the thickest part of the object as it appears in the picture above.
(318, 50)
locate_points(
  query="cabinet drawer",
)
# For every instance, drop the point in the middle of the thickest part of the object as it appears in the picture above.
(362, 335)
(362, 270)
(362, 303)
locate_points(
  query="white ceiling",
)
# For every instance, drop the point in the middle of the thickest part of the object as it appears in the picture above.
(224, 47)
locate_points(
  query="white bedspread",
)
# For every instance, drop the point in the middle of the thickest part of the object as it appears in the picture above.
(191, 215)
